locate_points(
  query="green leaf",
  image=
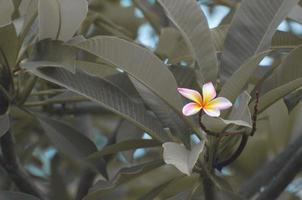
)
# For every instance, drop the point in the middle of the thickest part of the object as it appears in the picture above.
(295, 14)
(289, 70)
(171, 45)
(47, 53)
(8, 45)
(4, 124)
(293, 99)
(179, 185)
(6, 10)
(128, 131)
(122, 176)
(234, 86)
(280, 39)
(251, 31)
(284, 80)
(9, 195)
(59, 19)
(68, 140)
(190, 20)
(107, 95)
(274, 95)
(58, 189)
(285, 40)
(176, 122)
(139, 63)
(122, 146)
(150, 195)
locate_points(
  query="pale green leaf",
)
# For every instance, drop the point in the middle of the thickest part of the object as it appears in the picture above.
(180, 157)
(6, 10)
(66, 17)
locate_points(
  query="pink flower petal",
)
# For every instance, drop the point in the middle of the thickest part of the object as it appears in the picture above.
(212, 112)
(208, 92)
(191, 109)
(191, 94)
(219, 103)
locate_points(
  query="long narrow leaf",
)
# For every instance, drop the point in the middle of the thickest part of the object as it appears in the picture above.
(190, 20)
(251, 31)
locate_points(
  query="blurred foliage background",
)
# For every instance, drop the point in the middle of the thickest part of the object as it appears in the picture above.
(54, 163)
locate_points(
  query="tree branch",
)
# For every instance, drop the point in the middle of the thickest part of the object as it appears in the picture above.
(286, 175)
(269, 171)
(13, 169)
(208, 188)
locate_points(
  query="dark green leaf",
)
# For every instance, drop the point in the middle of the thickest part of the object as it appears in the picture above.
(9, 195)
(124, 175)
(139, 63)
(4, 124)
(107, 95)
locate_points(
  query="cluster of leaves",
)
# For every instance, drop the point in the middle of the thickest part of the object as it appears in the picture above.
(75, 83)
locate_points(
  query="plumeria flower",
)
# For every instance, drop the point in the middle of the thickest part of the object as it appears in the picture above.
(207, 102)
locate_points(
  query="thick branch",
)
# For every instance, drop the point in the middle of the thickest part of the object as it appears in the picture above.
(286, 175)
(269, 171)
(208, 188)
(13, 169)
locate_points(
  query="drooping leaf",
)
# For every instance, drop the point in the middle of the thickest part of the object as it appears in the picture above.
(251, 31)
(128, 131)
(139, 63)
(6, 10)
(16, 196)
(107, 95)
(68, 140)
(122, 176)
(168, 117)
(4, 124)
(66, 17)
(180, 157)
(190, 20)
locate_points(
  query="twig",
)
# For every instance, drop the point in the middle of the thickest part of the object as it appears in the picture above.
(254, 118)
(285, 176)
(13, 169)
(269, 171)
